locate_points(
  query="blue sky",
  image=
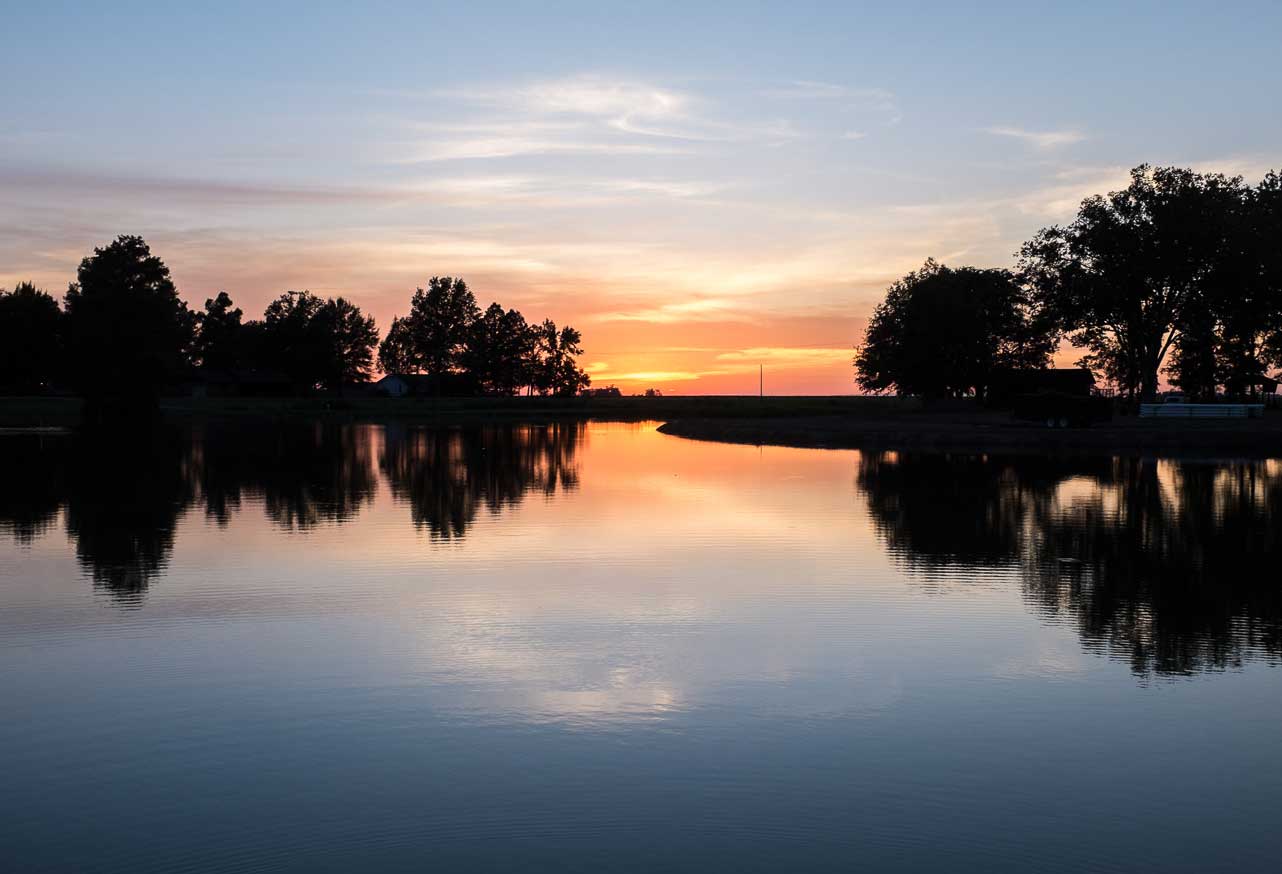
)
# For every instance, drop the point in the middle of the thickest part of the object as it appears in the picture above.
(698, 187)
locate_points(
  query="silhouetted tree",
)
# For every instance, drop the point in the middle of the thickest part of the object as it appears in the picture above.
(291, 339)
(556, 370)
(319, 343)
(219, 334)
(440, 323)
(1133, 270)
(128, 333)
(480, 355)
(396, 352)
(516, 349)
(942, 332)
(1262, 338)
(30, 340)
(1196, 363)
(1245, 306)
(495, 352)
(348, 339)
(499, 350)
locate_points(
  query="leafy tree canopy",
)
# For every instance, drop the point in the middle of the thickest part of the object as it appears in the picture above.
(942, 332)
(30, 356)
(1137, 268)
(128, 333)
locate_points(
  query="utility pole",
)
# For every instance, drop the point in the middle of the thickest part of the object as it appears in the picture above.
(761, 380)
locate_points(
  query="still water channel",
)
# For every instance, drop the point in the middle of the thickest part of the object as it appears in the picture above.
(593, 647)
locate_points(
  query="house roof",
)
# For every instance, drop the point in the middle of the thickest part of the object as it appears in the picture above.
(413, 380)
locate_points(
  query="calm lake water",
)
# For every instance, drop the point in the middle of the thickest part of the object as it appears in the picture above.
(597, 648)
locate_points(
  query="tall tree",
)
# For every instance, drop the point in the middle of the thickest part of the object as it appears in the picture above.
(128, 333)
(319, 343)
(1131, 273)
(481, 356)
(219, 333)
(515, 352)
(440, 322)
(291, 341)
(499, 350)
(30, 341)
(1267, 210)
(1251, 311)
(557, 371)
(396, 352)
(348, 339)
(942, 332)
(495, 352)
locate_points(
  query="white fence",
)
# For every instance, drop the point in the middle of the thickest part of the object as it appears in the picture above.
(1201, 411)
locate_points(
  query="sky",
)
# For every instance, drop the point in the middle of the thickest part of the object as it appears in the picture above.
(699, 188)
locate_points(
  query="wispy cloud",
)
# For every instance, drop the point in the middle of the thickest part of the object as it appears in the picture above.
(586, 95)
(704, 309)
(1050, 139)
(794, 356)
(666, 375)
(136, 186)
(585, 114)
(502, 144)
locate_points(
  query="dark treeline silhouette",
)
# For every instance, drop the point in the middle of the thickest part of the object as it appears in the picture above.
(1179, 272)
(1170, 565)
(123, 337)
(31, 347)
(120, 499)
(465, 351)
(944, 333)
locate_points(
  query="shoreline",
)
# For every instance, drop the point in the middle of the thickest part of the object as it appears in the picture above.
(837, 422)
(1255, 438)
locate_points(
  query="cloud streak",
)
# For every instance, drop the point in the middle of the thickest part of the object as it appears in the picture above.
(1051, 139)
(588, 114)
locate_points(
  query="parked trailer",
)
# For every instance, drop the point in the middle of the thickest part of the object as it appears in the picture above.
(1201, 411)
(1058, 410)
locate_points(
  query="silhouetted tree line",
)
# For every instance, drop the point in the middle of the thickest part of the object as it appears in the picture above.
(446, 336)
(1170, 565)
(123, 333)
(120, 499)
(1179, 271)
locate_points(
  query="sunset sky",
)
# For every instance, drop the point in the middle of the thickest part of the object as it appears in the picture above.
(699, 188)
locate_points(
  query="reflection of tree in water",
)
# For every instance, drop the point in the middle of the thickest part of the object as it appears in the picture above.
(122, 499)
(122, 493)
(31, 490)
(1170, 565)
(305, 474)
(447, 476)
